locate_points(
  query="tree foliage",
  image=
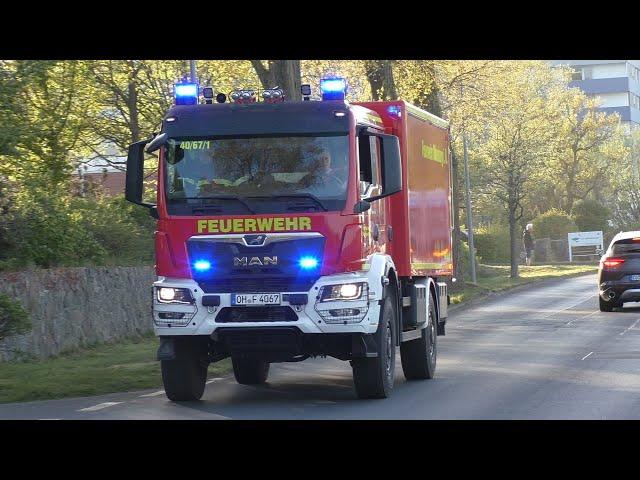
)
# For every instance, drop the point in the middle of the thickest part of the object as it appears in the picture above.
(535, 144)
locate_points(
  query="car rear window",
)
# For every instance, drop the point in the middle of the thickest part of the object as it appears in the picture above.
(628, 245)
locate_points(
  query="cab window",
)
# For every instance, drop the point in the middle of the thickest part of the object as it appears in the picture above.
(369, 152)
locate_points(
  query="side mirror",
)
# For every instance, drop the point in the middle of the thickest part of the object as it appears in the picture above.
(361, 207)
(391, 167)
(135, 174)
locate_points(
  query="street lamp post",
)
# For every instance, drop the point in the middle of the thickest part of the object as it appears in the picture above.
(467, 181)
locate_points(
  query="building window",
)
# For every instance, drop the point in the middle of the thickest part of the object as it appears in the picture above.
(587, 73)
(634, 100)
(576, 74)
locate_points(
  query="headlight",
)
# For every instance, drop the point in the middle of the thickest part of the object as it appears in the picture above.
(344, 292)
(346, 303)
(174, 295)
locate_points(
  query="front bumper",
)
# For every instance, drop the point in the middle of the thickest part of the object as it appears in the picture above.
(206, 320)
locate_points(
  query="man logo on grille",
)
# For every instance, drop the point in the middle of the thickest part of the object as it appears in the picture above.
(255, 240)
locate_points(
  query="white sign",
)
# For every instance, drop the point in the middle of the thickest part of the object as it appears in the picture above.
(584, 239)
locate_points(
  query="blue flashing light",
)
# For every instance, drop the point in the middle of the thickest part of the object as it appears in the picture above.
(202, 265)
(186, 93)
(333, 88)
(394, 110)
(307, 263)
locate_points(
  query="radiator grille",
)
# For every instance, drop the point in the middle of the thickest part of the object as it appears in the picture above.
(256, 314)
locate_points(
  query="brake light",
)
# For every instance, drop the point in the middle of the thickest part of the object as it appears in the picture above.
(613, 262)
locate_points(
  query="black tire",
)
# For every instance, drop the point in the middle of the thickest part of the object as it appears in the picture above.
(184, 378)
(250, 371)
(419, 356)
(374, 377)
(608, 306)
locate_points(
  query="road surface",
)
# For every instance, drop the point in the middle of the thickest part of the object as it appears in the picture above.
(546, 352)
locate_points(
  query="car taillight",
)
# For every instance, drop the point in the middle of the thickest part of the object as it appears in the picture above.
(612, 262)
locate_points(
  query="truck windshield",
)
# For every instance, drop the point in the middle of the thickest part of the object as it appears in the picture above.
(256, 175)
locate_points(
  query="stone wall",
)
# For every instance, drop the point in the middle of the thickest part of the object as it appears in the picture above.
(76, 307)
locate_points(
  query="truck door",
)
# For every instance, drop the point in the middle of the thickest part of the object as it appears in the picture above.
(374, 222)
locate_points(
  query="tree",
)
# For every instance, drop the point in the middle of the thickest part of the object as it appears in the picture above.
(280, 73)
(514, 138)
(584, 146)
(590, 215)
(380, 76)
(48, 110)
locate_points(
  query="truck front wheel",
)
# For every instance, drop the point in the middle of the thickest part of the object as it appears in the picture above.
(250, 371)
(419, 356)
(185, 376)
(373, 377)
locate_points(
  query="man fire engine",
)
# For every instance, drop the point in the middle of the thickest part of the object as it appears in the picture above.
(289, 230)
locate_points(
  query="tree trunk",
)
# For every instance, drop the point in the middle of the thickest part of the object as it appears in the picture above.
(134, 122)
(513, 234)
(380, 77)
(281, 73)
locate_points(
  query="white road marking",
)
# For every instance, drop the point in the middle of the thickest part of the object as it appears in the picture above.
(587, 355)
(100, 406)
(582, 318)
(567, 308)
(633, 325)
(154, 394)
(213, 380)
(49, 419)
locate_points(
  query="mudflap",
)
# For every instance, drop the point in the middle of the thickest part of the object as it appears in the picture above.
(363, 346)
(167, 349)
(443, 304)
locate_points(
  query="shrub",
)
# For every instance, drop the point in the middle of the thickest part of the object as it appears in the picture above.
(14, 319)
(554, 224)
(493, 243)
(58, 230)
(590, 215)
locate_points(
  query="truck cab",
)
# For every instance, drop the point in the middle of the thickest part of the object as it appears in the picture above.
(276, 242)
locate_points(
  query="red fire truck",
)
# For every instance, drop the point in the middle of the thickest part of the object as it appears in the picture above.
(297, 229)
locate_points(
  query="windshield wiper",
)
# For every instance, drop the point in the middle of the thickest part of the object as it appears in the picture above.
(304, 196)
(218, 197)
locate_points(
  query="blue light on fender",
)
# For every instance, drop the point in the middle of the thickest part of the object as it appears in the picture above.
(308, 263)
(333, 88)
(202, 265)
(394, 111)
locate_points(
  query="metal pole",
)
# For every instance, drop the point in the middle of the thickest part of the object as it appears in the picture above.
(467, 181)
(192, 64)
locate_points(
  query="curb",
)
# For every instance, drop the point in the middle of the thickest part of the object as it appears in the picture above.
(509, 290)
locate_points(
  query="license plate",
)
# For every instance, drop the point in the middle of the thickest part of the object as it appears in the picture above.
(635, 278)
(255, 299)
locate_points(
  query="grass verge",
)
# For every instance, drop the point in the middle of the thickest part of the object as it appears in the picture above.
(124, 366)
(494, 278)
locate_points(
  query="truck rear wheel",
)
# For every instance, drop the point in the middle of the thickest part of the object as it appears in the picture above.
(185, 376)
(419, 356)
(373, 377)
(250, 371)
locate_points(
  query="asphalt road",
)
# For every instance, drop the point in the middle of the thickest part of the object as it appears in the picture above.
(542, 353)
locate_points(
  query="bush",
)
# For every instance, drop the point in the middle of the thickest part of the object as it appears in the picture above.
(493, 244)
(58, 230)
(554, 224)
(14, 319)
(590, 215)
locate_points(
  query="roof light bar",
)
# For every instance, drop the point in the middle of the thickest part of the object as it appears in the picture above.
(186, 93)
(333, 88)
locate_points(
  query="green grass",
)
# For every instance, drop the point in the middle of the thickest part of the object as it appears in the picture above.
(125, 366)
(494, 278)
